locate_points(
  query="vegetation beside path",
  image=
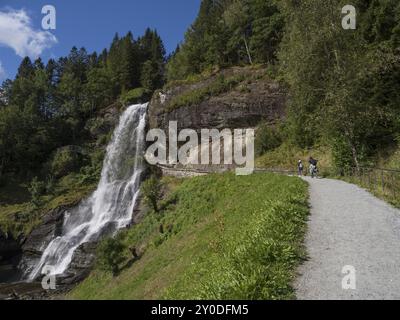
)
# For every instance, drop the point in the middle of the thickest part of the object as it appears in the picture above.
(216, 237)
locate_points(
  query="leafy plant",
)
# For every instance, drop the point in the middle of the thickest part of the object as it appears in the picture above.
(50, 185)
(268, 138)
(65, 161)
(151, 189)
(110, 255)
(36, 189)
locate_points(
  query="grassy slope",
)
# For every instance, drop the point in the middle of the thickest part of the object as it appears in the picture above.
(225, 237)
(286, 157)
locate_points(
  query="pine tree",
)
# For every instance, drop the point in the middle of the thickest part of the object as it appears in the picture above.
(227, 33)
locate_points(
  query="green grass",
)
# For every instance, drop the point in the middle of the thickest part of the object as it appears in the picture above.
(191, 79)
(269, 71)
(286, 157)
(217, 87)
(225, 237)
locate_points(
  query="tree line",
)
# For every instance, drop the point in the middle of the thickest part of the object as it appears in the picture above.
(47, 106)
(227, 33)
(343, 84)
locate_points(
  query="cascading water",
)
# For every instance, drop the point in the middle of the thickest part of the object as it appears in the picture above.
(112, 204)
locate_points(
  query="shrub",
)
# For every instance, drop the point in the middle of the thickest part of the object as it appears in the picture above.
(342, 155)
(110, 254)
(96, 126)
(37, 189)
(267, 139)
(65, 161)
(138, 95)
(91, 173)
(50, 185)
(103, 140)
(151, 189)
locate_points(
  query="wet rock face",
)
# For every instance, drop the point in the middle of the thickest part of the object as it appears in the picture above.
(51, 227)
(40, 237)
(38, 240)
(243, 107)
(81, 264)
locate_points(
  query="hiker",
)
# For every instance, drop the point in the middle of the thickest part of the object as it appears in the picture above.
(300, 168)
(313, 167)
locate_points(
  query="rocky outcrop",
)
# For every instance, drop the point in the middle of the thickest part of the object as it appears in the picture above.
(40, 237)
(84, 256)
(254, 100)
(22, 291)
(81, 264)
(38, 240)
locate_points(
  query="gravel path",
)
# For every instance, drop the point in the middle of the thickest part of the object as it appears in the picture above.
(350, 227)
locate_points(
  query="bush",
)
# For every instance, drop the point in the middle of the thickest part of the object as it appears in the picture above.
(50, 185)
(268, 138)
(65, 161)
(151, 189)
(37, 189)
(138, 95)
(342, 155)
(110, 254)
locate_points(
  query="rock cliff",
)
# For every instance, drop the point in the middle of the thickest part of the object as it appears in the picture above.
(253, 99)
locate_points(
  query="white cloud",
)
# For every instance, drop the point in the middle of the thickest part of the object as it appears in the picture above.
(3, 74)
(17, 32)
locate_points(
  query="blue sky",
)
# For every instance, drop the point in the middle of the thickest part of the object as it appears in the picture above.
(88, 23)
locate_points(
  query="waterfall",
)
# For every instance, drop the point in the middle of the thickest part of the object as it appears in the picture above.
(112, 204)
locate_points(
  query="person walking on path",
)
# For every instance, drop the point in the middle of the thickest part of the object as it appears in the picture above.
(313, 167)
(300, 168)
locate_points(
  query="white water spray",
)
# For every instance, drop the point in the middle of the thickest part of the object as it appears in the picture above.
(112, 204)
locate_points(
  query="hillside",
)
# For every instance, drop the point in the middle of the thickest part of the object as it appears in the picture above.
(217, 237)
(76, 171)
(288, 69)
(56, 120)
